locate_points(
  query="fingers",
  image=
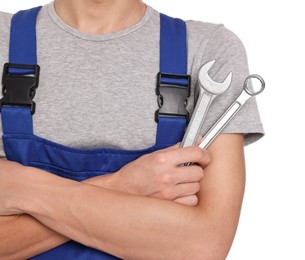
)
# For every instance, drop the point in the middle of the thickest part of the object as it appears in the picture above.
(179, 191)
(181, 185)
(188, 154)
(179, 156)
(186, 189)
(164, 176)
(191, 200)
(189, 174)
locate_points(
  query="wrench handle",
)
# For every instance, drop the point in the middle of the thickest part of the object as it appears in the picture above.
(223, 121)
(199, 114)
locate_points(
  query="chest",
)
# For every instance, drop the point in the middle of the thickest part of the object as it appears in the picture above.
(97, 90)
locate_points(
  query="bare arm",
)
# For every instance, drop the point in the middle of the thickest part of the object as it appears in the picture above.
(163, 229)
(222, 191)
(22, 236)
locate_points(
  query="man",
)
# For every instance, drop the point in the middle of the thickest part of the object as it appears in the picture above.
(97, 57)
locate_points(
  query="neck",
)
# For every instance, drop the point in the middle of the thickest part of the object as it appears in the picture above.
(100, 16)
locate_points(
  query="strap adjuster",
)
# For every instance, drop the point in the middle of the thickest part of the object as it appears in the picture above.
(19, 89)
(172, 90)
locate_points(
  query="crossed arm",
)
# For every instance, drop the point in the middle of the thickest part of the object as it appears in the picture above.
(162, 229)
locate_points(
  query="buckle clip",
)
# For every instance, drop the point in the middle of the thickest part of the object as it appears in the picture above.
(172, 97)
(19, 89)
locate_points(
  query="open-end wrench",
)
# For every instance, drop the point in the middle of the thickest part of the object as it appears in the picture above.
(209, 89)
(229, 114)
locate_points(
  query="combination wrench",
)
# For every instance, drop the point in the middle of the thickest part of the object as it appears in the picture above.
(229, 114)
(209, 89)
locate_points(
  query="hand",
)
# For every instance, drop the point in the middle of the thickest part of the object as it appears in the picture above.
(161, 175)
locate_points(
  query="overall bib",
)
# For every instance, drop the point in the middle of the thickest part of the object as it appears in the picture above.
(20, 80)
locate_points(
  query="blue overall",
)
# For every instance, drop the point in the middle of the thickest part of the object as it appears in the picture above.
(23, 146)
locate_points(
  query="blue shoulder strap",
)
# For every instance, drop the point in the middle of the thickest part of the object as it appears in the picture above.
(23, 40)
(173, 68)
(173, 61)
(18, 120)
(173, 48)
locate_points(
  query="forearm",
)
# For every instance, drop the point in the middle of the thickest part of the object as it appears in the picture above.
(22, 236)
(103, 219)
(147, 228)
(155, 229)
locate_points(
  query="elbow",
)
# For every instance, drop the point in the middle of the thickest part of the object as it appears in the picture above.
(208, 251)
(213, 253)
(209, 244)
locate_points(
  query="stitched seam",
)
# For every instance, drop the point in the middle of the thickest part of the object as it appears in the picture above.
(79, 151)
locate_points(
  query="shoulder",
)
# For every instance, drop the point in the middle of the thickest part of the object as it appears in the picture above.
(5, 25)
(215, 38)
(4, 15)
(210, 41)
(5, 20)
(201, 33)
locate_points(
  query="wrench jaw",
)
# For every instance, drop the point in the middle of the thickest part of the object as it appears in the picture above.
(230, 113)
(209, 89)
(208, 84)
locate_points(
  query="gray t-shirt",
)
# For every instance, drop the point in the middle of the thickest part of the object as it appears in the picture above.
(99, 91)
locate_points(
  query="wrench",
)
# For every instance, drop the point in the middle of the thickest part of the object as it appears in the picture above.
(209, 89)
(229, 114)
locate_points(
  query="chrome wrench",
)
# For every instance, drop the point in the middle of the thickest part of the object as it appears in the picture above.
(229, 114)
(209, 89)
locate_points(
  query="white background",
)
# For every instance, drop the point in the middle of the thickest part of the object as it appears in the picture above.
(272, 221)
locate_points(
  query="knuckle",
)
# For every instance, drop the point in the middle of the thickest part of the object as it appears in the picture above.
(201, 155)
(159, 158)
(196, 152)
(207, 156)
(166, 179)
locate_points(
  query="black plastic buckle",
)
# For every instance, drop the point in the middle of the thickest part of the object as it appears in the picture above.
(19, 90)
(172, 98)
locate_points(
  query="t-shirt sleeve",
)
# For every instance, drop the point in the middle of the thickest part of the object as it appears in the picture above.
(230, 55)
